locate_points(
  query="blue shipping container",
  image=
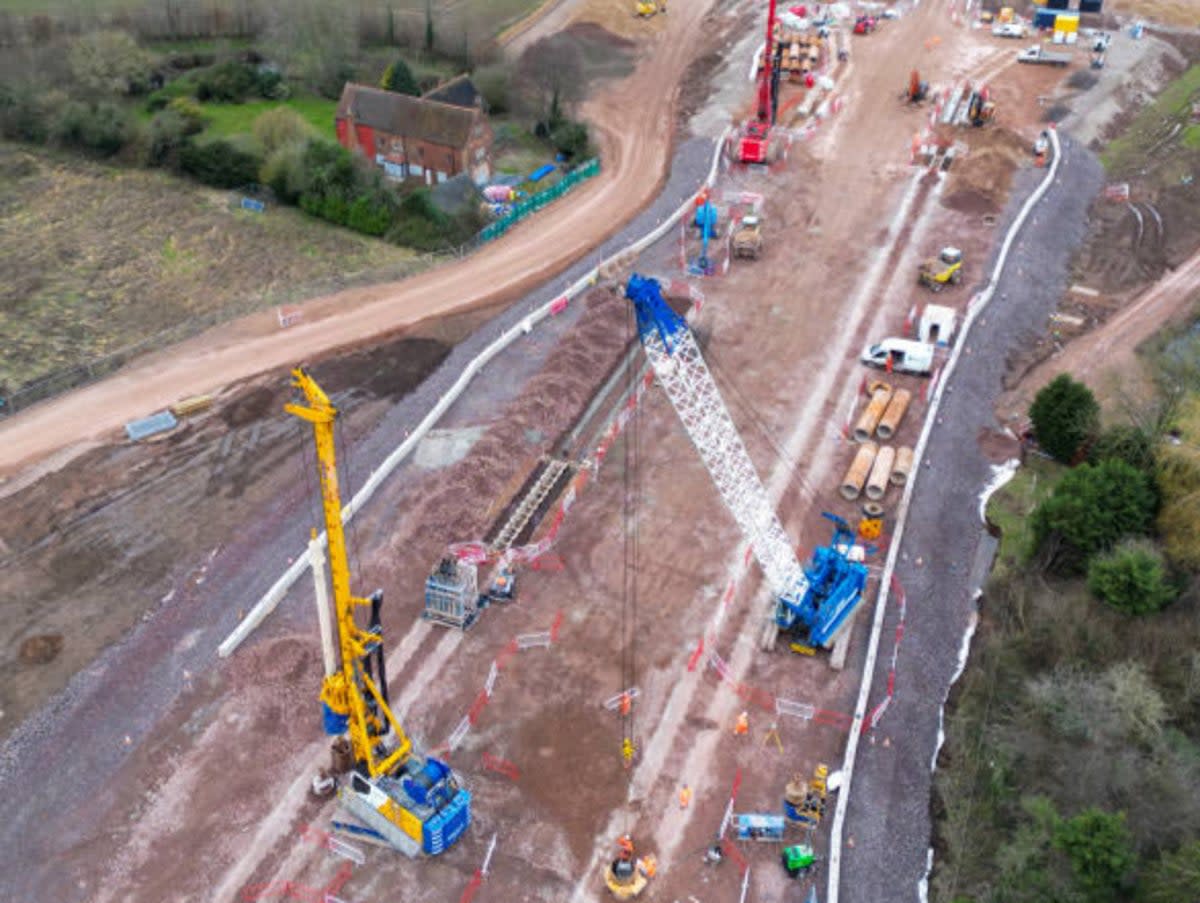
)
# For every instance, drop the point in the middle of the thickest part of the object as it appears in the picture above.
(1044, 18)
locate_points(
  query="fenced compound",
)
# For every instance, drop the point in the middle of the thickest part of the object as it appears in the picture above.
(533, 204)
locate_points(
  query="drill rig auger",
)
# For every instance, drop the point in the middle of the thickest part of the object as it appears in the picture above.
(408, 801)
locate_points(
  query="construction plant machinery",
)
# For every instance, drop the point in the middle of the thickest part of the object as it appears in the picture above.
(706, 221)
(398, 797)
(917, 90)
(936, 273)
(812, 604)
(753, 143)
(747, 238)
(980, 109)
(647, 8)
(804, 801)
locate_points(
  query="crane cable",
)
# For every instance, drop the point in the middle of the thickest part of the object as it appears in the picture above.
(631, 483)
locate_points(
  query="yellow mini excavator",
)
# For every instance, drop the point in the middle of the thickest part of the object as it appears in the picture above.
(648, 8)
(938, 272)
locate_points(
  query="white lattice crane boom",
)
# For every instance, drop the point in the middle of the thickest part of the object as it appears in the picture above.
(680, 368)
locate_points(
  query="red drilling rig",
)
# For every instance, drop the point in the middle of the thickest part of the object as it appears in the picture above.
(756, 133)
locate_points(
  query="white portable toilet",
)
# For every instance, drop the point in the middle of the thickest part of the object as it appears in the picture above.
(937, 324)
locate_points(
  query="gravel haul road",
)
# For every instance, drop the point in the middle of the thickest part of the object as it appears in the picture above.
(635, 151)
(888, 820)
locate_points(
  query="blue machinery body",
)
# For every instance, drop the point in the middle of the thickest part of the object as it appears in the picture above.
(835, 587)
(820, 597)
(706, 222)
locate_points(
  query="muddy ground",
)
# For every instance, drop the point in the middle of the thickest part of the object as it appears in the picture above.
(209, 803)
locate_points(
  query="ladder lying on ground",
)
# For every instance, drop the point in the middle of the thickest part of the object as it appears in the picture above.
(533, 499)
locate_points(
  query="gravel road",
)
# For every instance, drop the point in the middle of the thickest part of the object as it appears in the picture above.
(888, 819)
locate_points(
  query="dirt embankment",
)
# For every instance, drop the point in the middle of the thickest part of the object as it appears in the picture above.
(90, 549)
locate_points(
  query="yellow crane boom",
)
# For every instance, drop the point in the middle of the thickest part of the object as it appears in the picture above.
(412, 802)
(342, 691)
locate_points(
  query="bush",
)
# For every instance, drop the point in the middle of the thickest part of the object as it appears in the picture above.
(495, 86)
(571, 140)
(109, 62)
(228, 82)
(164, 138)
(282, 125)
(1131, 578)
(1174, 877)
(1092, 507)
(220, 163)
(369, 215)
(161, 99)
(399, 78)
(328, 168)
(102, 128)
(269, 83)
(1100, 850)
(285, 173)
(191, 113)
(1178, 478)
(1127, 443)
(1065, 416)
(24, 113)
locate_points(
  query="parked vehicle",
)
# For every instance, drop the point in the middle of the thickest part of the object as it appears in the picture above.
(904, 355)
(1009, 30)
(1036, 54)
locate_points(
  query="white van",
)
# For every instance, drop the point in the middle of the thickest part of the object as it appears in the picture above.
(906, 355)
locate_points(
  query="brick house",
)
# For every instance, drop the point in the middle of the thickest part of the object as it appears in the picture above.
(417, 138)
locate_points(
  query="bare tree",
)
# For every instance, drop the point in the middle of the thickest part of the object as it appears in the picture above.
(316, 40)
(549, 78)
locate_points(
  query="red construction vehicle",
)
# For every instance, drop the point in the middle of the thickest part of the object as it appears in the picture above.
(865, 24)
(917, 89)
(755, 137)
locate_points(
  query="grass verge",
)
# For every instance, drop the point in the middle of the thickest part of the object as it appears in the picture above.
(1156, 123)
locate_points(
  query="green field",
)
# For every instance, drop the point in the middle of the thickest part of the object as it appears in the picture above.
(1010, 510)
(227, 119)
(1155, 124)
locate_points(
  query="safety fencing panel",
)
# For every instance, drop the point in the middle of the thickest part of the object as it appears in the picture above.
(535, 203)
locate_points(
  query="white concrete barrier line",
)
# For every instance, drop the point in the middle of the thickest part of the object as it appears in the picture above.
(856, 728)
(271, 599)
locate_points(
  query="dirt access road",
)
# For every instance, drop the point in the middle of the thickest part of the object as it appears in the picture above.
(634, 150)
(1110, 352)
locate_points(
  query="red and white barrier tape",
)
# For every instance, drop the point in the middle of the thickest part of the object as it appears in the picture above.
(516, 644)
(873, 719)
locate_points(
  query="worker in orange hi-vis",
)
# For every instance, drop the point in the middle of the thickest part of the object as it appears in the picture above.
(625, 846)
(648, 865)
(742, 727)
(685, 796)
(626, 703)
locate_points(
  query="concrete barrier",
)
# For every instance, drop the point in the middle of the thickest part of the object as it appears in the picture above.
(271, 599)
